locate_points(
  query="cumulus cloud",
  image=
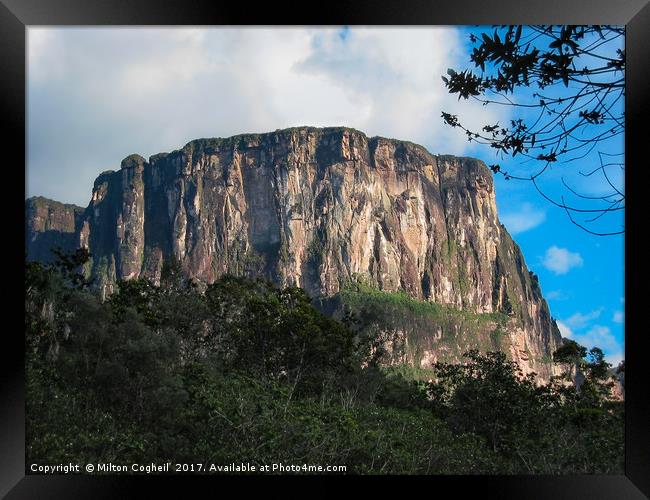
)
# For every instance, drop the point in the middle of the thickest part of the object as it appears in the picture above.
(597, 336)
(525, 218)
(564, 329)
(560, 260)
(96, 95)
(579, 320)
(615, 357)
(556, 295)
(618, 317)
(602, 337)
(397, 73)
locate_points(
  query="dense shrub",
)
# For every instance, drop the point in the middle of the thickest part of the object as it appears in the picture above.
(246, 371)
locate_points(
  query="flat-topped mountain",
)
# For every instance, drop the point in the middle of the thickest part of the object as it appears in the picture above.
(344, 216)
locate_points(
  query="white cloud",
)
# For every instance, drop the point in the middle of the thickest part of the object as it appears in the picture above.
(615, 357)
(602, 337)
(564, 329)
(41, 44)
(524, 219)
(619, 316)
(99, 94)
(599, 185)
(560, 260)
(397, 72)
(598, 336)
(556, 295)
(579, 320)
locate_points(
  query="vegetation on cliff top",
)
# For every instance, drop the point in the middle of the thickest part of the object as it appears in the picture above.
(42, 202)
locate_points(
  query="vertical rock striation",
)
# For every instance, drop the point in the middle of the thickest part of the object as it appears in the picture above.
(314, 208)
(50, 224)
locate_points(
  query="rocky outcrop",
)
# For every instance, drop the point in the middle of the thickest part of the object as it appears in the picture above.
(317, 208)
(50, 224)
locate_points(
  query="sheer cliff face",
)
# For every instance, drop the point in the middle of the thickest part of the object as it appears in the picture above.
(316, 208)
(51, 224)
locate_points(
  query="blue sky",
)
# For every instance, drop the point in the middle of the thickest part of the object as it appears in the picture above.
(96, 95)
(582, 275)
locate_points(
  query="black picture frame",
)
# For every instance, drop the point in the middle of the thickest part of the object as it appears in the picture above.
(16, 15)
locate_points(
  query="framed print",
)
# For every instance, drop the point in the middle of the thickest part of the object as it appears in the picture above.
(381, 241)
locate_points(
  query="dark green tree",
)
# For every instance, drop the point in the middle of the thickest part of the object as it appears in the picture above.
(276, 333)
(570, 355)
(488, 396)
(252, 372)
(588, 370)
(534, 428)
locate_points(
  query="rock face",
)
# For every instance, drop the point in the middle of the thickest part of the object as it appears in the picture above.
(50, 224)
(314, 208)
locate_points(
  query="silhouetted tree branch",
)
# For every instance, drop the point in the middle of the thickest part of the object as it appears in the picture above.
(575, 105)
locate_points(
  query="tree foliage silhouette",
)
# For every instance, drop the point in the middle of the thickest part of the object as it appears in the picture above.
(568, 84)
(247, 371)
